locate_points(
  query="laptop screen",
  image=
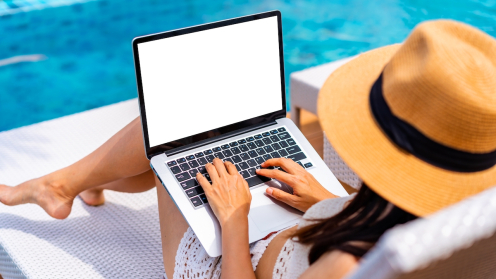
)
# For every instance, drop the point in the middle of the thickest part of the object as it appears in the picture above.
(202, 81)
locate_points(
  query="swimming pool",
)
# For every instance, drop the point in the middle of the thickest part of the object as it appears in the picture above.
(85, 48)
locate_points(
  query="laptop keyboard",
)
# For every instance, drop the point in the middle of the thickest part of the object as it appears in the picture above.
(246, 154)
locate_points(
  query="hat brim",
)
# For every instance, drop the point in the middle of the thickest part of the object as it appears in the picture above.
(396, 175)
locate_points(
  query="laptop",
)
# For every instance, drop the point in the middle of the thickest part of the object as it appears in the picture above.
(217, 90)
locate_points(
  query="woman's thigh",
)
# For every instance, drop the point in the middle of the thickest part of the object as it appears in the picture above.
(172, 227)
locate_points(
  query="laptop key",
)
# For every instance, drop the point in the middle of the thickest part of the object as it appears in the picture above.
(244, 148)
(208, 152)
(227, 153)
(190, 157)
(175, 170)
(241, 141)
(188, 184)
(266, 140)
(244, 156)
(233, 144)
(291, 141)
(202, 161)
(297, 157)
(276, 146)
(235, 150)
(266, 134)
(308, 165)
(266, 157)
(252, 172)
(251, 162)
(260, 151)
(284, 136)
(203, 198)
(281, 129)
(216, 149)
(202, 170)
(171, 163)
(207, 176)
(184, 167)
(210, 158)
(274, 138)
(268, 149)
(275, 155)
(193, 164)
(253, 153)
(238, 168)
(225, 146)
(283, 153)
(284, 144)
(250, 139)
(245, 174)
(193, 172)
(236, 159)
(194, 191)
(274, 132)
(229, 159)
(257, 136)
(293, 149)
(259, 160)
(244, 165)
(182, 176)
(259, 143)
(251, 145)
(299, 163)
(199, 154)
(254, 181)
(219, 155)
(196, 201)
(181, 160)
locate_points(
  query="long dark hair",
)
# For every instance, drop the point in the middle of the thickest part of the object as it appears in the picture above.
(356, 228)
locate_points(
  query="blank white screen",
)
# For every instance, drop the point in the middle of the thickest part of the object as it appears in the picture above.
(205, 80)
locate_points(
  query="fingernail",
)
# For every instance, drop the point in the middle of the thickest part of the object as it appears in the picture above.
(257, 170)
(269, 191)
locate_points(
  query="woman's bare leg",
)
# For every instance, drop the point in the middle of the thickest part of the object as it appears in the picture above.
(122, 156)
(134, 184)
(172, 227)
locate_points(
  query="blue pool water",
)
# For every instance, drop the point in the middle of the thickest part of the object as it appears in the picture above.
(88, 45)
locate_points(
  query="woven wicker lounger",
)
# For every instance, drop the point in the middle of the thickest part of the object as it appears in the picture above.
(118, 240)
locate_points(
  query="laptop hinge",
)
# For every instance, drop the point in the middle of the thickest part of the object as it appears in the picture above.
(218, 138)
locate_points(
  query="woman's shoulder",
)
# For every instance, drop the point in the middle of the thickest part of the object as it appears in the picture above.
(325, 209)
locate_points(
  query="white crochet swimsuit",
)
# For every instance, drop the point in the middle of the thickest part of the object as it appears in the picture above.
(193, 262)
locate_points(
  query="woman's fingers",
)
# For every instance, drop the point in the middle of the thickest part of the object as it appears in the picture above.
(287, 164)
(203, 182)
(212, 171)
(231, 168)
(281, 196)
(277, 174)
(219, 167)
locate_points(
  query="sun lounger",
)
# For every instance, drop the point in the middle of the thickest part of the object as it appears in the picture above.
(457, 242)
(120, 239)
(305, 86)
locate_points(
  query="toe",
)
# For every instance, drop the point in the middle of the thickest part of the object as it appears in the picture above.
(5, 194)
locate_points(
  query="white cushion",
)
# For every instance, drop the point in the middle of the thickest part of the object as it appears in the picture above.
(120, 239)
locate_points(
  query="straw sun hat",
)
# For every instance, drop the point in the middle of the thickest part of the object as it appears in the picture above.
(417, 121)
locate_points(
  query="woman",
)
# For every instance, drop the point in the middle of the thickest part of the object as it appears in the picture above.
(416, 122)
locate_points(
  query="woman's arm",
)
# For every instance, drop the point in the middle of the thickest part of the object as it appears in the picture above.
(229, 197)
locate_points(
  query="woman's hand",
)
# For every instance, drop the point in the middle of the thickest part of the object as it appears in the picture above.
(307, 191)
(229, 195)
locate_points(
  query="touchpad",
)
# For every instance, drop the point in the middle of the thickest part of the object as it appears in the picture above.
(269, 214)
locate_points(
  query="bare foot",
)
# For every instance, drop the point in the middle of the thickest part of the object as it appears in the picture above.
(54, 198)
(93, 197)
